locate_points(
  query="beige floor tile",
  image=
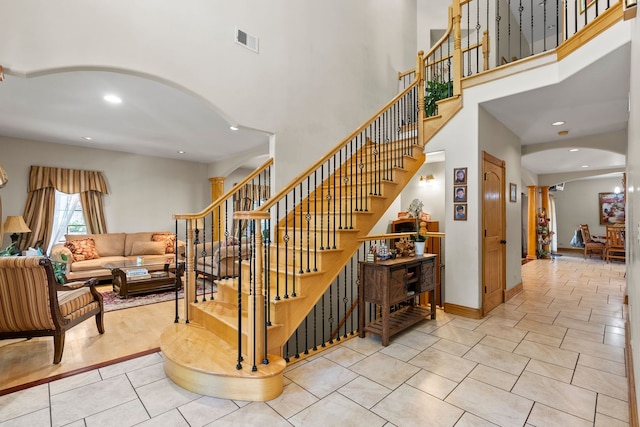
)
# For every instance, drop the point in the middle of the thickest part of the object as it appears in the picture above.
(496, 358)
(443, 364)
(558, 395)
(542, 415)
(146, 375)
(545, 353)
(82, 402)
(501, 331)
(588, 336)
(163, 395)
(615, 340)
(292, 400)
(344, 356)
(550, 370)
(491, 403)
(368, 345)
(385, 370)
(127, 414)
(500, 343)
(543, 339)
(608, 320)
(601, 382)
(542, 328)
(400, 351)
(74, 381)
(609, 366)
(470, 420)
(37, 418)
(535, 317)
(321, 376)
(24, 402)
(433, 384)
(346, 411)
(256, 413)
(451, 347)
(407, 404)
(494, 377)
(602, 351)
(171, 418)
(606, 421)
(414, 339)
(614, 408)
(459, 335)
(364, 392)
(590, 327)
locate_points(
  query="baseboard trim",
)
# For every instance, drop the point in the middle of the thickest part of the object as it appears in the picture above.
(631, 383)
(510, 293)
(460, 310)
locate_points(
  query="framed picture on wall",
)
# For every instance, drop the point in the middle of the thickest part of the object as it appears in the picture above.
(611, 208)
(460, 212)
(584, 4)
(459, 176)
(513, 192)
(460, 193)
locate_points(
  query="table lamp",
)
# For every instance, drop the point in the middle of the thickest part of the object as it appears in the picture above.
(16, 226)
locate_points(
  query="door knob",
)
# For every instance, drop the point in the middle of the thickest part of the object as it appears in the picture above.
(503, 242)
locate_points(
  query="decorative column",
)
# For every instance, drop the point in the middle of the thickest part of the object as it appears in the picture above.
(545, 209)
(532, 237)
(217, 190)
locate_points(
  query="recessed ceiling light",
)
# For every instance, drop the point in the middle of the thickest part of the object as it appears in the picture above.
(181, 152)
(584, 166)
(233, 127)
(87, 138)
(563, 132)
(573, 150)
(559, 123)
(113, 99)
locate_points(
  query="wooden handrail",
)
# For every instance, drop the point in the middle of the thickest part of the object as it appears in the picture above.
(408, 234)
(226, 195)
(302, 176)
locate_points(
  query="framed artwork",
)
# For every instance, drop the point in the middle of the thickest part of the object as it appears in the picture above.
(584, 4)
(513, 192)
(459, 176)
(460, 212)
(460, 193)
(611, 207)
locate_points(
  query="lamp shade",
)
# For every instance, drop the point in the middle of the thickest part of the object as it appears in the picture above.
(15, 224)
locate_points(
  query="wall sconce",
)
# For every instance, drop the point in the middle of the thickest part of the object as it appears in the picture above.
(426, 178)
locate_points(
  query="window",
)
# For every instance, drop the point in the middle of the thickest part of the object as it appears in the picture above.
(68, 218)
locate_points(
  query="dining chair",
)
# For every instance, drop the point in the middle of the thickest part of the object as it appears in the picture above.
(614, 248)
(591, 247)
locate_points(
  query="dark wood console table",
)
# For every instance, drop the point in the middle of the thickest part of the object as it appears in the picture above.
(396, 283)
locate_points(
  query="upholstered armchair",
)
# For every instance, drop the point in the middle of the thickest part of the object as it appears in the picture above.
(33, 304)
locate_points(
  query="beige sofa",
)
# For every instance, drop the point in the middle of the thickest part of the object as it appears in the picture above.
(94, 255)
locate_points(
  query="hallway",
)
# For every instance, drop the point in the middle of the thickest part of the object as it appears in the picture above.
(551, 356)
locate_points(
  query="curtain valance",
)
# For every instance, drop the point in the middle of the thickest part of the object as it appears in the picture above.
(68, 181)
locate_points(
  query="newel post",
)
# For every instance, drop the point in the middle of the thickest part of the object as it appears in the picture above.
(256, 336)
(456, 13)
(420, 75)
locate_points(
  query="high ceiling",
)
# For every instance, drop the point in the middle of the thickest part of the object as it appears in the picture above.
(156, 119)
(153, 118)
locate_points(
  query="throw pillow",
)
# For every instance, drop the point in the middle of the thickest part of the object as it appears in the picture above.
(82, 250)
(148, 248)
(168, 239)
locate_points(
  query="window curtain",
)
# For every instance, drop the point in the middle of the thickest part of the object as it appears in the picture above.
(61, 219)
(248, 198)
(39, 208)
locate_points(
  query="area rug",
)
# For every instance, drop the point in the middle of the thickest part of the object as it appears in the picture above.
(113, 302)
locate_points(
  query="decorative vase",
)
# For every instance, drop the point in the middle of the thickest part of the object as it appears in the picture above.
(419, 248)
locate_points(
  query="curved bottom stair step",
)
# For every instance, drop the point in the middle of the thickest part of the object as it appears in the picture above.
(199, 361)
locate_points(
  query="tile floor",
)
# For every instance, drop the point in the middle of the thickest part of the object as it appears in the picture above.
(551, 356)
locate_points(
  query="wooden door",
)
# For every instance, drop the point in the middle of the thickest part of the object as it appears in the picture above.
(493, 233)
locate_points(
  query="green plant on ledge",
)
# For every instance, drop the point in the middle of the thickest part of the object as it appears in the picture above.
(60, 269)
(436, 90)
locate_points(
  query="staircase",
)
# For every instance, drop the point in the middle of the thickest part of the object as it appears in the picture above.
(234, 345)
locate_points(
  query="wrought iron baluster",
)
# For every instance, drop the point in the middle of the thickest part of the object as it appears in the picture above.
(286, 247)
(277, 237)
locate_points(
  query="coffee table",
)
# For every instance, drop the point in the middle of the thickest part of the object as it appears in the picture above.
(159, 278)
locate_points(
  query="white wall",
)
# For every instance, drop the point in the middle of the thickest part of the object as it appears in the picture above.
(432, 194)
(497, 140)
(578, 204)
(144, 191)
(633, 202)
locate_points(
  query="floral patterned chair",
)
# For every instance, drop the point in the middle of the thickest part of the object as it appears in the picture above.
(33, 304)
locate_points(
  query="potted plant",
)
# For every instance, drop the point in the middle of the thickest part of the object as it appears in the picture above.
(415, 209)
(435, 91)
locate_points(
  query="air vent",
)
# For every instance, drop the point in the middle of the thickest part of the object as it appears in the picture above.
(247, 40)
